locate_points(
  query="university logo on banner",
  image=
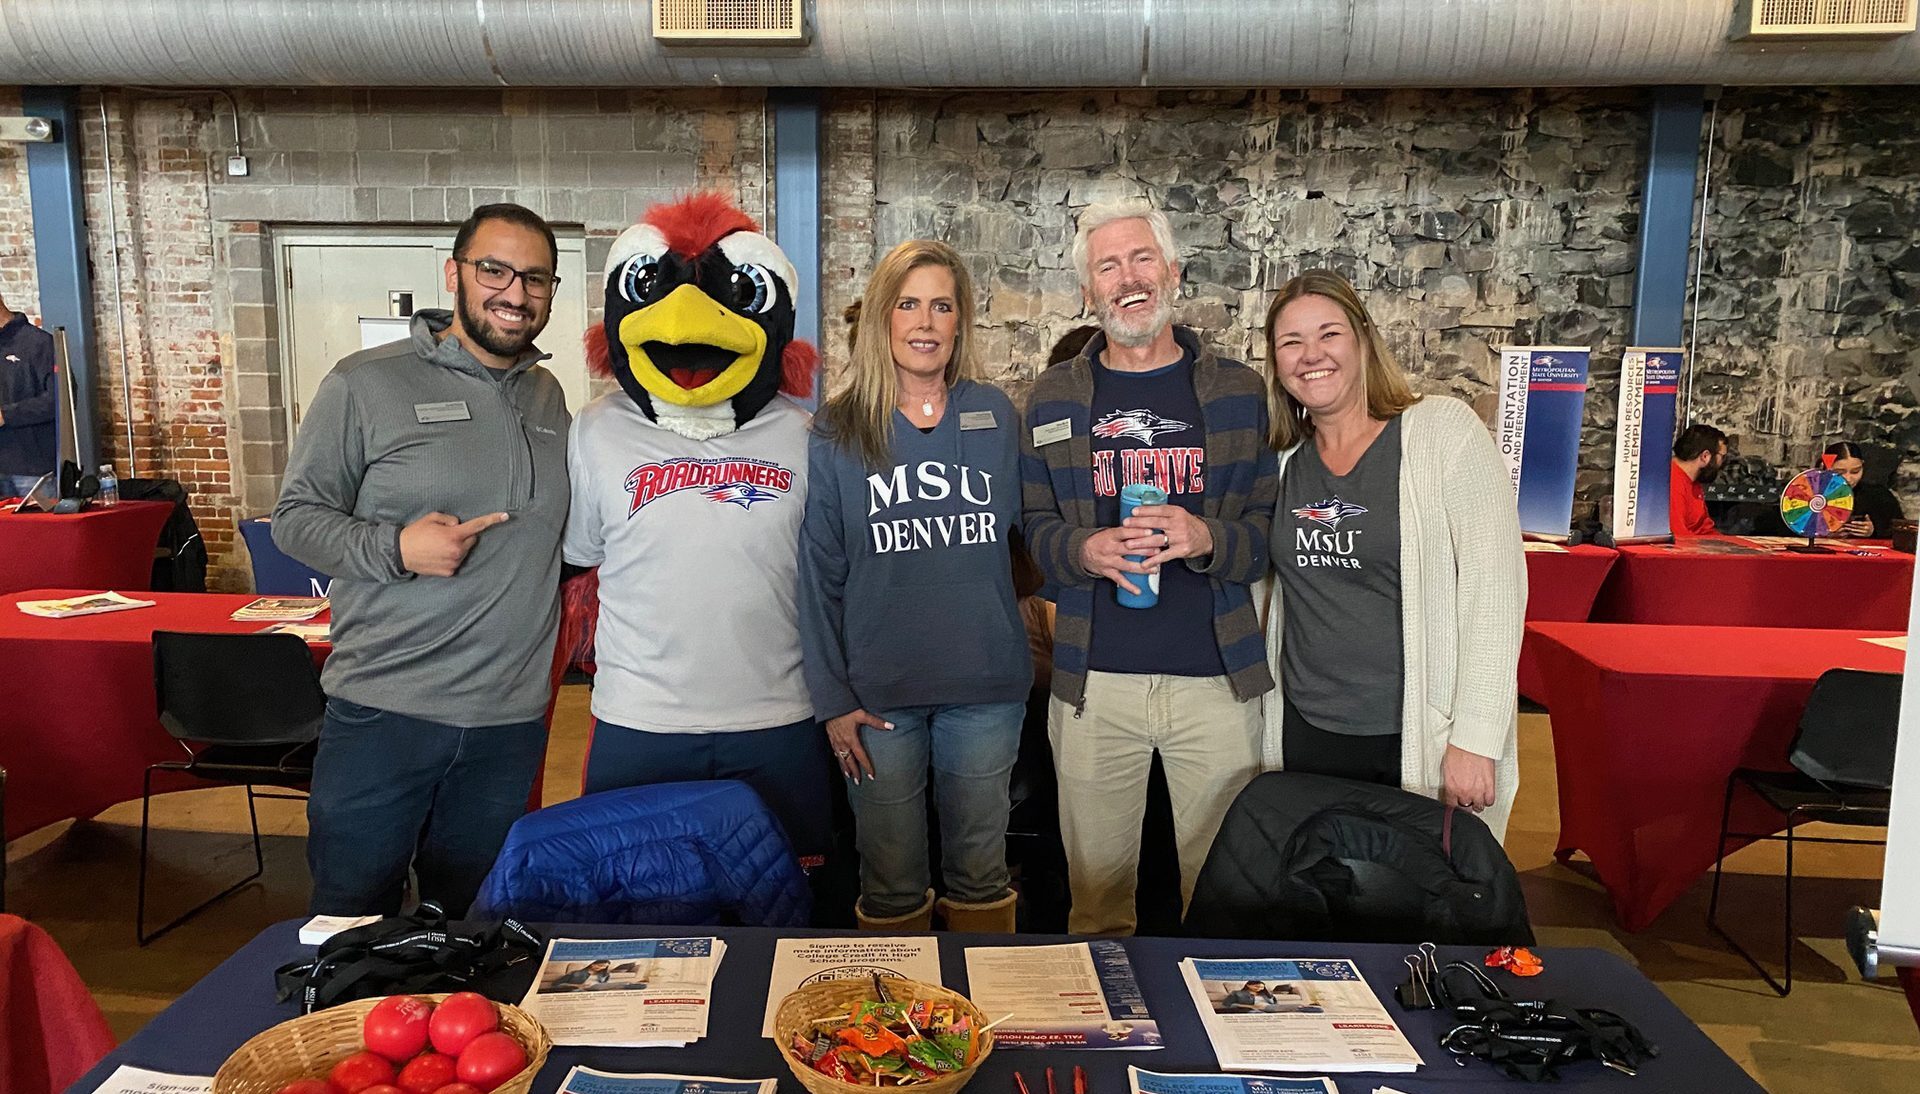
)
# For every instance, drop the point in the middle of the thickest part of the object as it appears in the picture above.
(1649, 398)
(1543, 397)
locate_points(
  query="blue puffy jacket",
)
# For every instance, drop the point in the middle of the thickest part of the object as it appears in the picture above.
(673, 853)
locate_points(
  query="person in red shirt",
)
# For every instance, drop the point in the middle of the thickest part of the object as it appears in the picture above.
(1698, 455)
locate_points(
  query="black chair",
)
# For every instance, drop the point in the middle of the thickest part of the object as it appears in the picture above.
(252, 704)
(1843, 774)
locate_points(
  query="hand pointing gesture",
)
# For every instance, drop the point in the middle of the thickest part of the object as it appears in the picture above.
(436, 544)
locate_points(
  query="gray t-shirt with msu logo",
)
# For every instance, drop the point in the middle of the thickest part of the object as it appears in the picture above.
(1336, 545)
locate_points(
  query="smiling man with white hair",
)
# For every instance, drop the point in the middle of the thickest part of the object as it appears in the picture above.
(1147, 403)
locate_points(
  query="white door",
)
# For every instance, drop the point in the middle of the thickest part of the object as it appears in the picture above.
(344, 292)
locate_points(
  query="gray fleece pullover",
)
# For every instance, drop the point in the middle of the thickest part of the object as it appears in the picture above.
(415, 427)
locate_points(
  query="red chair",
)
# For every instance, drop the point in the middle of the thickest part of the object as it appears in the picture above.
(51, 1031)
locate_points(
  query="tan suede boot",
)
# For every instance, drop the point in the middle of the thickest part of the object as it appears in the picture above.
(920, 919)
(989, 917)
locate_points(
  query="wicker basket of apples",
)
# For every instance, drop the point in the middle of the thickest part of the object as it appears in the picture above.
(463, 1043)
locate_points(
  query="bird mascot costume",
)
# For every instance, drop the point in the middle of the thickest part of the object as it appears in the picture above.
(688, 487)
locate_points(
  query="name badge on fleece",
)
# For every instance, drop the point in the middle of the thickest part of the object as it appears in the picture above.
(977, 419)
(1053, 431)
(428, 413)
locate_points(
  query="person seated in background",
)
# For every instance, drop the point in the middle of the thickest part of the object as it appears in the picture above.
(1875, 507)
(1698, 454)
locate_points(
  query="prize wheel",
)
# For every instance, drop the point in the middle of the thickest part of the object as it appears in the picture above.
(1816, 503)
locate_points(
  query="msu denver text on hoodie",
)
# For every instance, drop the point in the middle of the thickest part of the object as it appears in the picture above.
(906, 596)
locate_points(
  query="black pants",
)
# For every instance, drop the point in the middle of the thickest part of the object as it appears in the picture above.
(1308, 748)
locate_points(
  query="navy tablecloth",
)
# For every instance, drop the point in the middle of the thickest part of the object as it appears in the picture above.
(235, 1001)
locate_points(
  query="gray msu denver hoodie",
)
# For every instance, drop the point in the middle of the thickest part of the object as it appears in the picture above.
(400, 431)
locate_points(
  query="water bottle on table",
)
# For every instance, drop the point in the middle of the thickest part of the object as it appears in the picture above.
(1131, 498)
(109, 486)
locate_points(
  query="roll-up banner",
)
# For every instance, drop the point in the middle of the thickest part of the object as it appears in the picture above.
(1543, 396)
(1649, 398)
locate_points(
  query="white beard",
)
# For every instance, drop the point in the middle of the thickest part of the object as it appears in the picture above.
(696, 423)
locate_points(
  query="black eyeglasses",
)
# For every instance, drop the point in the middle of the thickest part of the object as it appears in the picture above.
(499, 275)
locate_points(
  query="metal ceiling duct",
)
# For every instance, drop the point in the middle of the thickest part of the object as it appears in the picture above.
(924, 43)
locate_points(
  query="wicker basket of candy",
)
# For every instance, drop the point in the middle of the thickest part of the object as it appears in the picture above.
(844, 1036)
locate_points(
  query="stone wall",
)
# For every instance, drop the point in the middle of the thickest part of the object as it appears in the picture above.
(1469, 219)
(1808, 327)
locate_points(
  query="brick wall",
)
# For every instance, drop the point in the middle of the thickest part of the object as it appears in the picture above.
(16, 219)
(1469, 218)
(197, 281)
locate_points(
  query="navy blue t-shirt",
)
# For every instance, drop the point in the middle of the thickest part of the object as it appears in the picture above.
(1147, 428)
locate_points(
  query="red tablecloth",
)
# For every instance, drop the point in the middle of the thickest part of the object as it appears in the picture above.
(1685, 584)
(1561, 587)
(51, 1030)
(78, 726)
(1649, 721)
(101, 548)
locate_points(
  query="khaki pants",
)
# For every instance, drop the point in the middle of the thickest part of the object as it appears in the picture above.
(1209, 744)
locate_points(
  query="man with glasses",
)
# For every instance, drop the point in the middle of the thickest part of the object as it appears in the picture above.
(429, 479)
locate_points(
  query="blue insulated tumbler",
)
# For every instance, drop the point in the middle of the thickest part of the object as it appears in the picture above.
(1131, 498)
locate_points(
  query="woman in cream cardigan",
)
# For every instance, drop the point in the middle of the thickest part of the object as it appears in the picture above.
(1394, 628)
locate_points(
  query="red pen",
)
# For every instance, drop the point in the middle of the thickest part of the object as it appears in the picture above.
(1020, 1084)
(1050, 1089)
(1079, 1079)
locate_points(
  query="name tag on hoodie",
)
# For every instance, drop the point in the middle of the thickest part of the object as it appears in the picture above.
(428, 413)
(977, 419)
(1052, 432)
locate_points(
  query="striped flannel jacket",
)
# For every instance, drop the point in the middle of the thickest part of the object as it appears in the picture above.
(1242, 482)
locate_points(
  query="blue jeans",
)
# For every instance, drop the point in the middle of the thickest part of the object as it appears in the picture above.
(787, 766)
(16, 486)
(971, 748)
(389, 790)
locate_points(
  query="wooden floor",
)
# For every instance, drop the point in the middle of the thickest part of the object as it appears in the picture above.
(1834, 1033)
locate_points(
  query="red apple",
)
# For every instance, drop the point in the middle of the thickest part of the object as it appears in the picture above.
(459, 1019)
(490, 1060)
(397, 1027)
(360, 1071)
(426, 1073)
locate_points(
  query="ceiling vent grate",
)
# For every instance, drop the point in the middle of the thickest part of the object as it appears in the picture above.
(732, 22)
(1763, 19)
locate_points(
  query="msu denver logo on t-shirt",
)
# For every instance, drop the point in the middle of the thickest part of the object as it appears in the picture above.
(1327, 545)
(740, 482)
(1177, 469)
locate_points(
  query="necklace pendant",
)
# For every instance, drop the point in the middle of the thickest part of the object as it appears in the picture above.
(926, 408)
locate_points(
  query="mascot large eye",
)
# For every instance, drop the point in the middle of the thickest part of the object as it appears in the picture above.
(752, 289)
(638, 278)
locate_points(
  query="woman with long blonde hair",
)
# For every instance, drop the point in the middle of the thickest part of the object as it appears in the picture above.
(915, 653)
(1394, 630)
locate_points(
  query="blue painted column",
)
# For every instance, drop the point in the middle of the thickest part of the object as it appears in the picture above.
(60, 255)
(796, 199)
(1666, 216)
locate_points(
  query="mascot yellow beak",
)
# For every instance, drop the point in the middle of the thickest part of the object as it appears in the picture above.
(689, 350)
